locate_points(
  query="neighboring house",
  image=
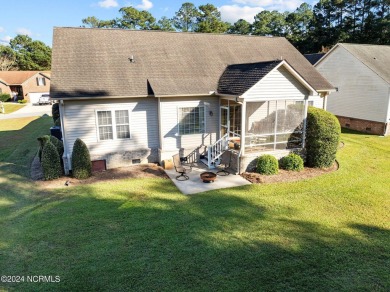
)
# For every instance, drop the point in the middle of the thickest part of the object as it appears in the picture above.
(361, 75)
(143, 96)
(29, 85)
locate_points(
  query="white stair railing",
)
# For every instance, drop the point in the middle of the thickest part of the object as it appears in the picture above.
(215, 151)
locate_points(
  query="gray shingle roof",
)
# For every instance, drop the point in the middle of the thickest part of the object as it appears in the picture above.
(95, 62)
(376, 57)
(314, 58)
(238, 78)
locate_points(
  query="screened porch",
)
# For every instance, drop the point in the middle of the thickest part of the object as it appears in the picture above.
(257, 126)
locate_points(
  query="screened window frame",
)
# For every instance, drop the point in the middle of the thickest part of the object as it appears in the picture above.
(201, 111)
(275, 133)
(113, 124)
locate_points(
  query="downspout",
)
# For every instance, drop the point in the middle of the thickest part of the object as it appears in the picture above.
(304, 124)
(159, 127)
(66, 154)
(387, 121)
(243, 131)
(325, 101)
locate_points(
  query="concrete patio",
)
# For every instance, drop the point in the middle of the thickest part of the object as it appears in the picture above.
(195, 185)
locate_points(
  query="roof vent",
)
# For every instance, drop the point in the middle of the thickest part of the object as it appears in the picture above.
(131, 59)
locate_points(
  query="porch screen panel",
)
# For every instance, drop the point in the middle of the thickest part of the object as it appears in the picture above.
(274, 125)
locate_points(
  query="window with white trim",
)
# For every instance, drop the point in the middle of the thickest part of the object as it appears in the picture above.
(113, 124)
(41, 81)
(191, 120)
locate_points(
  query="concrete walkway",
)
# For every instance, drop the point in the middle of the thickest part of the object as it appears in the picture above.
(29, 110)
(196, 185)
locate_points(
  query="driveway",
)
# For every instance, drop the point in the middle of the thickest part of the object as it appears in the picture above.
(28, 110)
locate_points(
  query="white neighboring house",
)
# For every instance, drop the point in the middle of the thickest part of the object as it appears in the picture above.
(361, 75)
(143, 96)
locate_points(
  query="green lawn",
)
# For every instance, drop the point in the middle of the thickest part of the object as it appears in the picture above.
(11, 107)
(327, 233)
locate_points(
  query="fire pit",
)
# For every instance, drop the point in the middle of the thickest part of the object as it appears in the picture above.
(208, 176)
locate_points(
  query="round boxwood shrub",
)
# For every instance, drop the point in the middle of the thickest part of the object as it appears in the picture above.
(322, 138)
(291, 162)
(267, 164)
(5, 97)
(51, 163)
(58, 144)
(81, 160)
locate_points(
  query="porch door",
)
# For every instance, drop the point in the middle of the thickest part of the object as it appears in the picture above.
(225, 120)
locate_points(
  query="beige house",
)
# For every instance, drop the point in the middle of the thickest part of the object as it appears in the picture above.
(143, 96)
(361, 74)
(29, 85)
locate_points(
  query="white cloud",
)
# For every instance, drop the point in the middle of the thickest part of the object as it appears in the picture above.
(146, 5)
(2, 29)
(24, 31)
(108, 3)
(232, 13)
(5, 39)
(279, 5)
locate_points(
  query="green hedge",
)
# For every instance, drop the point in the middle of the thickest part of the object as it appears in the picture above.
(5, 97)
(291, 162)
(81, 160)
(51, 163)
(42, 142)
(267, 164)
(322, 138)
(58, 144)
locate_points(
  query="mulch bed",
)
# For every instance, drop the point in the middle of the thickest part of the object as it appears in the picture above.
(136, 171)
(288, 176)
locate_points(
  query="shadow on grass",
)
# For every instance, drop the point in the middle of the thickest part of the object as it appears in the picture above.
(150, 237)
(18, 147)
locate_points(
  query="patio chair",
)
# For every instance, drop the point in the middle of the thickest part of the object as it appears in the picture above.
(226, 158)
(181, 168)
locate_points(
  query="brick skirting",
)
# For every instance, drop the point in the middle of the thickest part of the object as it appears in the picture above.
(364, 126)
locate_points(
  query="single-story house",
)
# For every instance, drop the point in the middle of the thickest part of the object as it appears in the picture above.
(28, 85)
(361, 75)
(143, 96)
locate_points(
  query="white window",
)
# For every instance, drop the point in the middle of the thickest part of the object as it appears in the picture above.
(41, 81)
(191, 120)
(113, 124)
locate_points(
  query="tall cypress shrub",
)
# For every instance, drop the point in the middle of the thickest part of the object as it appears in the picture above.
(322, 138)
(81, 160)
(51, 163)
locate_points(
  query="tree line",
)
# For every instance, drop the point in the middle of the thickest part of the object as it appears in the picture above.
(309, 29)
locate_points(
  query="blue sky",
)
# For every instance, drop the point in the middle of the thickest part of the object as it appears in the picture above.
(37, 18)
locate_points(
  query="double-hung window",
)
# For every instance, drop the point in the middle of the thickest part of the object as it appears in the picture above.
(191, 120)
(113, 124)
(41, 81)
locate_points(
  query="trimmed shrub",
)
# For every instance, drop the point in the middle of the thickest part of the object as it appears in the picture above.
(58, 144)
(291, 162)
(267, 164)
(51, 163)
(55, 111)
(81, 160)
(322, 138)
(42, 142)
(5, 97)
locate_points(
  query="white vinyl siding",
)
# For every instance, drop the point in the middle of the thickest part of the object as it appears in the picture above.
(171, 139)
(361, 94)
(81, 122)
(278, 84)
